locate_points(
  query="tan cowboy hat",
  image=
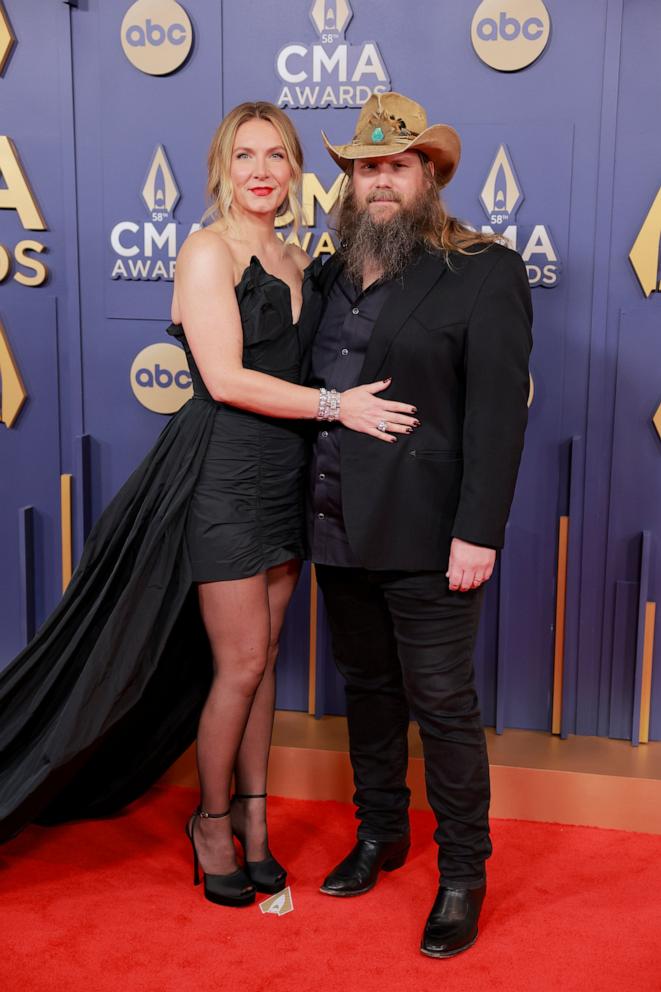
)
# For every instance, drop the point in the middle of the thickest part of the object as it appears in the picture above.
(390, 123)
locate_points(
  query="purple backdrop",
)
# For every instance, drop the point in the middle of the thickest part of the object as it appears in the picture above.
(580, 136)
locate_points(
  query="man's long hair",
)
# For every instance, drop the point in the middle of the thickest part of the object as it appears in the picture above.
(438, 231)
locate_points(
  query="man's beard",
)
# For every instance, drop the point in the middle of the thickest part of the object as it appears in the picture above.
(385, 245)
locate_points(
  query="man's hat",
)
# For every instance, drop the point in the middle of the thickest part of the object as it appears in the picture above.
(390, 123)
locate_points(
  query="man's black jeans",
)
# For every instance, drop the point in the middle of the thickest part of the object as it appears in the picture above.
(403, 642)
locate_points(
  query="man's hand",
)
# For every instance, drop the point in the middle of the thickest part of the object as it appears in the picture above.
(470, 565)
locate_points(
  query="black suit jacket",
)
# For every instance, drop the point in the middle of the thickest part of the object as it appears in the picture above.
(455, 337)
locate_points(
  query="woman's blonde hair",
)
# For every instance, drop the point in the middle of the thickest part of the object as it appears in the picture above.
(219, 184)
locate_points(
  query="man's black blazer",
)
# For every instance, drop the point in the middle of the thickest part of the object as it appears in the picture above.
(455, 337)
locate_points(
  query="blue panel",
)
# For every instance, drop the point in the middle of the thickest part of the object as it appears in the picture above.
(636, 471)
(585, 147)
(294, 657)
(625, 619)
(29, 455)
(646, 551)
(124, 115)
(35, 96)
(26, 572)
(621, 467)
(572, 659)
(330, 684)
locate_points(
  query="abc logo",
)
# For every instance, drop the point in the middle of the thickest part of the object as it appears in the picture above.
(156, 36)
(160, 379)
(510, 34)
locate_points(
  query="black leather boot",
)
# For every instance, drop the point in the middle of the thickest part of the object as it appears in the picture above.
(452, 924)
(360, 869)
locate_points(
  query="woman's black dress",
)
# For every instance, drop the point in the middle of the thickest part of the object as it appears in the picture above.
(110, 690)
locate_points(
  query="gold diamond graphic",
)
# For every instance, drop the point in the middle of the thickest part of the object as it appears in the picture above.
(644, 254)
(7, 38)
(12, 391)
(501, 194)
(280, 904)
(160, 191)
(656, 420)
(331, 15)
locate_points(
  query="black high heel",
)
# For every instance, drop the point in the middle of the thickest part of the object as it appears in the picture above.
(266, 875)
(234, 889)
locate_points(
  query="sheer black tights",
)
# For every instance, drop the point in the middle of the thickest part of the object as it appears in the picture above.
(243, 620)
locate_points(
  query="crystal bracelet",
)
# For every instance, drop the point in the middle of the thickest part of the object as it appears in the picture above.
(329, 404)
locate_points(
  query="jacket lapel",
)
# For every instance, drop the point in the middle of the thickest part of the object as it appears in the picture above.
(405, 296)
(329, 273)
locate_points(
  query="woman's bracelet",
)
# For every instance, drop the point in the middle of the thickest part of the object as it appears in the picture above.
(329, 404)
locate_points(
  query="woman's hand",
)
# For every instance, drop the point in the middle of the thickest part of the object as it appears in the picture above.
(361, 410)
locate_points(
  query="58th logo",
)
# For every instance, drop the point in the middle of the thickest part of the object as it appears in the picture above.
(147, 250)
(501, 197)
(330, 73)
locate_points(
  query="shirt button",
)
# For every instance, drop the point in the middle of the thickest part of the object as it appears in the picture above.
(322, 475)
(321, 516)
(345, 352)
(355, 311)
(324, 433)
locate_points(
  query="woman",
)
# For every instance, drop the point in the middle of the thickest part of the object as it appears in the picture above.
(179, 598)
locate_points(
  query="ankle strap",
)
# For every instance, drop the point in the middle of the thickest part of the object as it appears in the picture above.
(249, 795)
(202, 813)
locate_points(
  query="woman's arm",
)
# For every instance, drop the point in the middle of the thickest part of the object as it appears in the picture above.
(209, 312)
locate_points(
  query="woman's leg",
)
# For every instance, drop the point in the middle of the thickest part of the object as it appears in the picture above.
(237, 618)
(252, 759)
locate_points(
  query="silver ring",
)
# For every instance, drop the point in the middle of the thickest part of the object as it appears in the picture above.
(382, 426)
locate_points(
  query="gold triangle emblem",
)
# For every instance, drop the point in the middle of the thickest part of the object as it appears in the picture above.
(656, 420)
(160, 191)
(279, 904)
(644, 254)
(7, 37)
(12, 391)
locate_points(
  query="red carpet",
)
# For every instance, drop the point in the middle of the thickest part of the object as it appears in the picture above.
(109, 907)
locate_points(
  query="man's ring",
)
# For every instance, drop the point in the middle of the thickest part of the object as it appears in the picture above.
(382, 426)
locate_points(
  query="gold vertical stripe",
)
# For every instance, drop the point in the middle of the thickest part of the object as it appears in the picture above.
(312, 676)
(65, 525)
(646, 689)
(560, 604)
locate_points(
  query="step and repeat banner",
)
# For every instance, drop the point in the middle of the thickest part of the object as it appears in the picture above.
(107, 113)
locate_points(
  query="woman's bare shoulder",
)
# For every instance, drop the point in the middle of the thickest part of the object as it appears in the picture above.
(205, 246)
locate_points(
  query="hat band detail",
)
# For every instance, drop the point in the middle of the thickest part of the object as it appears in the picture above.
(391, 139)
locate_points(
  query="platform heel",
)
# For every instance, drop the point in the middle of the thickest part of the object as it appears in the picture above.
(267, 875)
(234, 889)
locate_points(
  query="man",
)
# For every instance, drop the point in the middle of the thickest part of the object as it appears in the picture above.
(404, 535)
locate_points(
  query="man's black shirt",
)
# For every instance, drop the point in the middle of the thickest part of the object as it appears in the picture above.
(338, 354)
